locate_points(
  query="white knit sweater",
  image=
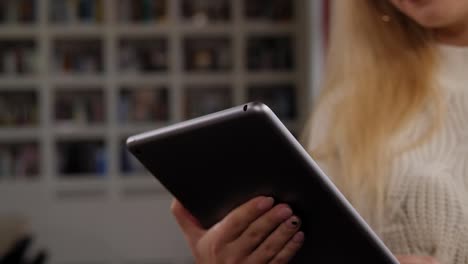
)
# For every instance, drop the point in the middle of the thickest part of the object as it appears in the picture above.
(427, 203)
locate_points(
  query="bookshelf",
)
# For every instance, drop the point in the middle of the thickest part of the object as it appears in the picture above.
(77, 77)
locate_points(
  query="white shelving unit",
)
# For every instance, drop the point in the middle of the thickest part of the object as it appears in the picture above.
(116, 217)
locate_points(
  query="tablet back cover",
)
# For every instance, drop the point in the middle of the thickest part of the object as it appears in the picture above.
(218, 162)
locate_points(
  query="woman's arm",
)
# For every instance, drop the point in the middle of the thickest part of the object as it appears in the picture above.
(417, 260)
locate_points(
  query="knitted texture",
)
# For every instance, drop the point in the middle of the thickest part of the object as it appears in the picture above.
(427, 195)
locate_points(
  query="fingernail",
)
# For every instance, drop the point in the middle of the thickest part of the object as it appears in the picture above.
(285, 212)
(294, 222)
(298, 237)
(265, 203)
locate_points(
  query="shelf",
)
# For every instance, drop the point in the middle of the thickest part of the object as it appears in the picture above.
(209, 78)
(110, 75)
(72, 30)
(18, 31)
(137, 79)
(265, 28)
(22, 190)
(222, 29)
(9, 82)
(81, 187)
(78, 79)
(142, 30)
(82, 181)
(270, 77)
(79, 132)
(140, 185)
(20, 134)
(144, 178)
(21, 183)
(132, 128)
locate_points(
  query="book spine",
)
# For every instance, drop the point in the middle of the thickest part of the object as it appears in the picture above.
(99, 11)
(72, 11)
(125, 11)
(12, 13)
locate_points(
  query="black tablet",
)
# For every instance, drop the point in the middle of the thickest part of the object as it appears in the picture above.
(217, 162)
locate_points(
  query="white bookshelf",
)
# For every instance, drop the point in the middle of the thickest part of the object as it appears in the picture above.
(114, 196)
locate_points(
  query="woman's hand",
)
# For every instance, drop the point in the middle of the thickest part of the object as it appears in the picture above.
(255, 232)
(417, 260)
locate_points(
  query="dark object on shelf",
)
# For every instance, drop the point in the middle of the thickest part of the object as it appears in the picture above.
(208, 54)
(202, 11)
(144, 11)
(18, 253)
(82, 157)
(205, 100)
(18, 108)
(143, 105)
(270, 53)
(280, 97)
(270, 10)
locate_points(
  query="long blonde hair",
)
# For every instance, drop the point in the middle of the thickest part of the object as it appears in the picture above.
(386, 70)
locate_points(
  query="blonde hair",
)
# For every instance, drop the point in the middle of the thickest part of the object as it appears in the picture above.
(385, 70)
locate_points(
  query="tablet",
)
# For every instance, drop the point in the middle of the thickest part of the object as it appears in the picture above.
(217, 162)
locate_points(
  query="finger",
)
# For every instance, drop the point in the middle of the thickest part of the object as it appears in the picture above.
(289, 250)
(276, 241)
(187, 222)
(234, 224)
(261, 228)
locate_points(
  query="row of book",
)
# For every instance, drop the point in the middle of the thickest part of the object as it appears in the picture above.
(146, 56)
(143, 105)
(270, 10)
(18, 57)
(18, 11)
(75, 159)
(280, 97)
(19, 161)
(150, 104)
(208, 54)
(84, 56)
(77, 11)
(137, 104)
(143, 56)
(270, 53)
(18, 109)
(202, 100)
(144, 11)
(207, 10)
(78, 108)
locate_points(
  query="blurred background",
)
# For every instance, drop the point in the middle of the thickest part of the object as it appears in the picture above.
(77, 77)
